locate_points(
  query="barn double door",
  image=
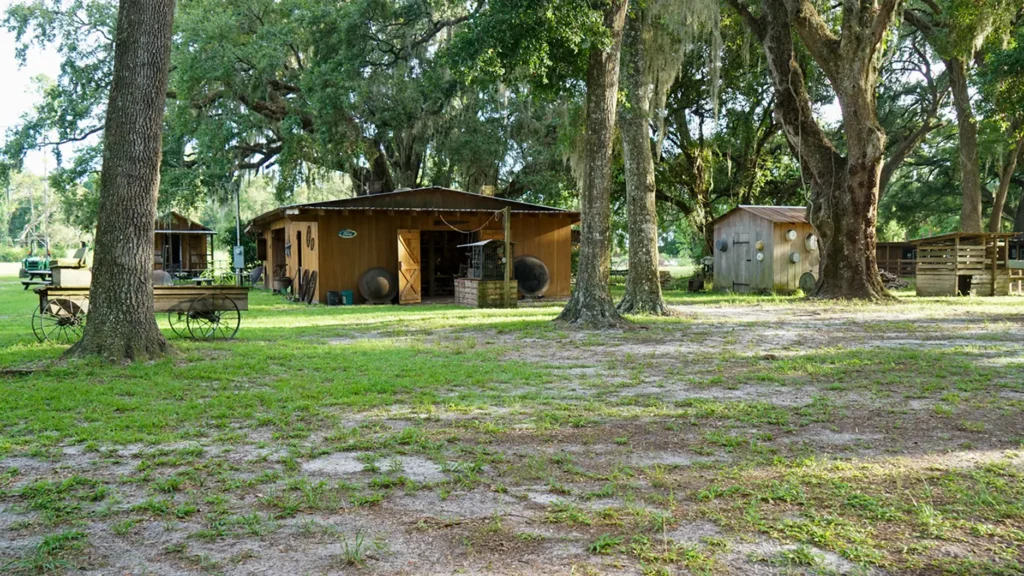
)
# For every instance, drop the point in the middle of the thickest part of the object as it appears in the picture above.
(409, 267)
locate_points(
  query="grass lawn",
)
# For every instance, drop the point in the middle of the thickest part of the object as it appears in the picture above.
(744, 435)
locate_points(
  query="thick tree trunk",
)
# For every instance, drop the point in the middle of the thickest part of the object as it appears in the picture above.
(122, 324)
(703, 216)
(995, 222)
(845, 215)
(591, 303)
(844, 190)
(1018, 220)
(643, 286)
(970, 171)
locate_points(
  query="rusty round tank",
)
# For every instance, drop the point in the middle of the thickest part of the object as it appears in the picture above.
(378, 285)
(532, 276)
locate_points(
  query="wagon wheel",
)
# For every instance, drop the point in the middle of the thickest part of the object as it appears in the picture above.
(178, 319)
(206, 321)
(37, 325)
(60, 321)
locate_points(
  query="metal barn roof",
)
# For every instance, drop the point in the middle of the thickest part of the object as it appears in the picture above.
(169, 218)
(780, 214)
(964, 236)
(432, 198)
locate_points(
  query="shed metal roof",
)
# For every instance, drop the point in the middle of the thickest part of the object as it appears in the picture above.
(781, 214)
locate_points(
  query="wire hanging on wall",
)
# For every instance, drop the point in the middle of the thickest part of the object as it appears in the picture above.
(482, 226)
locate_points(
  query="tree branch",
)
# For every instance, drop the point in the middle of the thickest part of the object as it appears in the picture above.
(753, 22)
(71, 139)
(882, 20)
(823, 45)
(678, 203)
(903, 150)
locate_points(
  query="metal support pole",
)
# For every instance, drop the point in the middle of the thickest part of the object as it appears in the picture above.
(507, 218)
(238, 229)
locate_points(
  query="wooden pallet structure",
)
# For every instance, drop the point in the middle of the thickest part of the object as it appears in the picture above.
(964, 264)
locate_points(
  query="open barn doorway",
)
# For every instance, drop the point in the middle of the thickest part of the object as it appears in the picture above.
(442, 261)
(278, 257)
(964, 285)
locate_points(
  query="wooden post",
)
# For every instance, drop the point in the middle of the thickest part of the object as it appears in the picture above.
(995, 262)
(430, 265)
(507, 217)
(956, 266)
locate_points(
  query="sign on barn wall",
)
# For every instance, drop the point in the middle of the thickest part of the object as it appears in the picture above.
(346, 233)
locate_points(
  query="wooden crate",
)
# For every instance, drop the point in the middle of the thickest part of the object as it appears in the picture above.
(167, 298)
(485, 293)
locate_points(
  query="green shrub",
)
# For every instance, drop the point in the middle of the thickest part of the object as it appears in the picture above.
(10, 253)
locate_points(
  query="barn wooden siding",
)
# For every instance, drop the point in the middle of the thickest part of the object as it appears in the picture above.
(546, 236)
(295, 231)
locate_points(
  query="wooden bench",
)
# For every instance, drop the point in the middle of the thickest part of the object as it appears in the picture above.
(29, 283)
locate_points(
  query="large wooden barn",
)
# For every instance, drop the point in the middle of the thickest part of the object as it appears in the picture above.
(182, 247)
(765, 248)
(412, 236)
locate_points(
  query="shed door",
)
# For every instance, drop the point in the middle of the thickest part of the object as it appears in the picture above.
(744, 272)
(408, 266)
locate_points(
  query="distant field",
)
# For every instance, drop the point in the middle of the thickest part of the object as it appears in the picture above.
(744, 435)
(680, 271)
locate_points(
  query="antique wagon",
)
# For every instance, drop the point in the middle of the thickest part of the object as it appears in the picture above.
(198, 312)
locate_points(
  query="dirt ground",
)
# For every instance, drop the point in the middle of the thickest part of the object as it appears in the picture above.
(715, 442)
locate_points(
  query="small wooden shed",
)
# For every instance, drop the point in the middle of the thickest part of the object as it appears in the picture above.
(414, 235)
(765, 248)
(182, 247)
(962, 263)
(898, 258)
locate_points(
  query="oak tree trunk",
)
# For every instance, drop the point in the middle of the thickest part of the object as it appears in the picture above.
(643, 286)
(590, 304)
(844, 190)
(1018, 220)
(995, 222)
(970, 175)
(121, 324)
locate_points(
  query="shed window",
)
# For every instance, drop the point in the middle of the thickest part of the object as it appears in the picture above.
(261, 248)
